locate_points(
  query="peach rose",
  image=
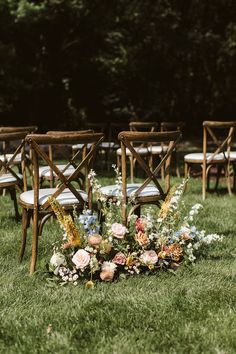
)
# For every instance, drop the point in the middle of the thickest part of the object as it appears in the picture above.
(149, 257)
(141, 238)
(108, 271)
(119, 258)
(95, 240)
(118, 230)
(107, 275)
(81, 259)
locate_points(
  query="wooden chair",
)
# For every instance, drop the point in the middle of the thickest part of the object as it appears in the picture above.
(170, 126)
(35, 202)
(150, 191)
(10, 180)
(219, 134)
(142, 148)
(5, 145)
(47, 174)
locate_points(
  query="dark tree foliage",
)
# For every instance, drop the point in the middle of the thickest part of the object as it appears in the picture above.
(75, 60)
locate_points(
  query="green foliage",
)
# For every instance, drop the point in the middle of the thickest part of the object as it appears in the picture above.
(81, 59)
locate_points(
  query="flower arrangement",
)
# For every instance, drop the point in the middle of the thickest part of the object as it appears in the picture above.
(106, 250)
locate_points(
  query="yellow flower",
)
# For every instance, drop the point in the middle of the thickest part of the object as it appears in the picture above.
(129, 261)
(165, 205)
(66, 222)
(89, 284)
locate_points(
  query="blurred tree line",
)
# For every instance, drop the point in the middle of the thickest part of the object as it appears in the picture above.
(68, 61)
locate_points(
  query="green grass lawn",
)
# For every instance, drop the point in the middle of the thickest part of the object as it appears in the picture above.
(191, 311)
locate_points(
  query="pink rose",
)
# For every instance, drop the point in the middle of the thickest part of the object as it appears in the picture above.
(139, 225)
(81, 259)
(119, 258)
(149, 257)
(118, 230)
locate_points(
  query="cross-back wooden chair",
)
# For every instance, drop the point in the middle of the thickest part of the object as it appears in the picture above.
(170, 126)
(150, 191)
(5, 144)
(47, 174)
(220, 135)
(143, 148)
(35, 202)
(11, 180)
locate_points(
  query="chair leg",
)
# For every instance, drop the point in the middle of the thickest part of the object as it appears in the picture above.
(43, 221)
(13, 197)
(204, 177)
(227, 173)
(34, 243)
(25, 225)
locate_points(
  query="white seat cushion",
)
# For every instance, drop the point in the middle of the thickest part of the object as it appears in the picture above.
(9, 178)
(157, 149)
(112, 191)
(140, 151)
(7, 157)
(232, 155)
(44, 171)
(108, 145)
(198, 157)
(79, 146)
(65, 198)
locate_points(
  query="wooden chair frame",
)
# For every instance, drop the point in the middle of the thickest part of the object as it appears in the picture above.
(137, 126)
(222, 146)
(35, 140)
(169, 126)
(6, 166)
(127, 139)
(52, 177)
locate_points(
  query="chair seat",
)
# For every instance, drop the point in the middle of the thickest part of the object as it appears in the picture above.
(198, 157)
(9, 178)
(44, 171)
(157, 149)
(140, 151)
(65, 198)
(232, 155)
(7, 157)
(108, 145)
(79, 146)
(113, 191)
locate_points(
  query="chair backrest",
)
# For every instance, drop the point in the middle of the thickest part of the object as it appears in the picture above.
(170, 126)
(221, 135)
(6, 162)
(29, 128)
(36, 140)
(136, 126)
(127, 140)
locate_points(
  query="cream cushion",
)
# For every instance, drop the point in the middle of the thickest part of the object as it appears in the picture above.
(44, 171)
(157, 149)
(79, 146)
(198, 157)
(7, 157)
(113, 191)
(108, 145)
(9, 178)
(65, 198)
(140, 151)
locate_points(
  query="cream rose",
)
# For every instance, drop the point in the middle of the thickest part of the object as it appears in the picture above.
(118, 230)
(149, 257)
(81, 259)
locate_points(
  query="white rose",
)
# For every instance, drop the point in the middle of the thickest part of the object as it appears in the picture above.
(57, 260)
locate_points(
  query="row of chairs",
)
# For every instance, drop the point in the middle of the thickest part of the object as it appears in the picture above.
(34, 200)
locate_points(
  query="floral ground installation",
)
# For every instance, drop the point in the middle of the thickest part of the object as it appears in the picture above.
(159, 240)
